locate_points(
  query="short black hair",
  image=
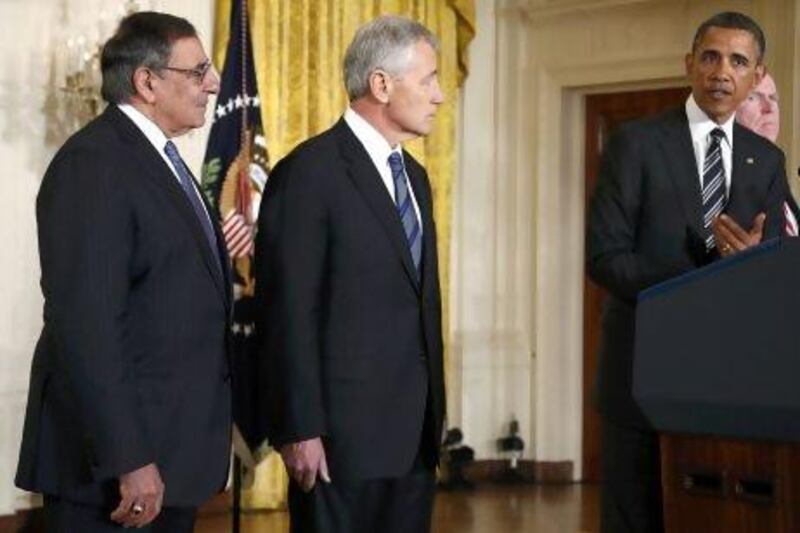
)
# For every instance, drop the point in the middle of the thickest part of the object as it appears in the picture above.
(142, 39)
(735, 21)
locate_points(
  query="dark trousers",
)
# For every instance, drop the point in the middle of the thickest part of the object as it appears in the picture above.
(630, 500)
(61, 516)
(402, 505)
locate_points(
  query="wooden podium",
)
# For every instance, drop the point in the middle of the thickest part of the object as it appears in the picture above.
(717, 373)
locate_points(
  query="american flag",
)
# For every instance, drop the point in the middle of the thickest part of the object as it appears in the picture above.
(790, 221)
(238, 235)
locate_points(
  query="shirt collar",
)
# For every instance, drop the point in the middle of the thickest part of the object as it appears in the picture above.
(147, 126)
(701, 125)
(374, 142)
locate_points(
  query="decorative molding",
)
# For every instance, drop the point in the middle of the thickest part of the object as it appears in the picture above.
(543, 11)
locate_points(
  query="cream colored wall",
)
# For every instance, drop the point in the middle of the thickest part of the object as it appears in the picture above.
(32, 30)
(518, 283)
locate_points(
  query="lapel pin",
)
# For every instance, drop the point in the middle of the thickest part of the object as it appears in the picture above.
(750, 160)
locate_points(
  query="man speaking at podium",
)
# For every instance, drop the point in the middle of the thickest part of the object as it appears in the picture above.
(674, 193)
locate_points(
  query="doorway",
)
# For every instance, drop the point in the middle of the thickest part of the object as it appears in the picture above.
(604, 112)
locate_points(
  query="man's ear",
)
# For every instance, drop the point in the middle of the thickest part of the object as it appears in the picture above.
(380, 85)
(143, 84)
(760, 72)
(688, 62)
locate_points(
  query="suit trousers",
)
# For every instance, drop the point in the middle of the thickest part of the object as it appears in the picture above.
(630, 499)
(62, 516)
(396, 505)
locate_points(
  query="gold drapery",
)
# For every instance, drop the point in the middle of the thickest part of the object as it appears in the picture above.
(298, 47)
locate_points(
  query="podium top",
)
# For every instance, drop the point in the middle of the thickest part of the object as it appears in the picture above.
(768, 246)
(717, 350)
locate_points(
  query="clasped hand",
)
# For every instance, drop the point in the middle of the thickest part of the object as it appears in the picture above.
(731, 238)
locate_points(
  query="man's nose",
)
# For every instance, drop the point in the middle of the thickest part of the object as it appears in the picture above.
(722, 70)
(211, 81)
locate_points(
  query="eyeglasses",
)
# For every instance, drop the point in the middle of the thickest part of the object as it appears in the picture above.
(197, 74)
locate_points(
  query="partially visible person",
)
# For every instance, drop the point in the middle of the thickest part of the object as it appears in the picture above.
(348, 299)
(128, 418)
(760, 112)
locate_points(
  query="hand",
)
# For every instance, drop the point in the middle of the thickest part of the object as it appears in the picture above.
(141, 488)
(305, 460)
(731, 238)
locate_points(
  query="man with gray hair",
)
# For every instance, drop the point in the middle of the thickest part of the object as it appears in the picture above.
(347, 287)
(128, 420)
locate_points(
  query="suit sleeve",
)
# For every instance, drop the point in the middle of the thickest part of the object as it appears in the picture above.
(86, 245)
(613, 260)
(290, 269)
(777, 194)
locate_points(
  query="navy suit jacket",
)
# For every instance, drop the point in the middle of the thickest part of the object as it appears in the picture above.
(645, 226)
(131, 366)
(350, 337)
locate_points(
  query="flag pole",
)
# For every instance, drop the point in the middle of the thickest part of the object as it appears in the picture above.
(236, 511)
(237, 462)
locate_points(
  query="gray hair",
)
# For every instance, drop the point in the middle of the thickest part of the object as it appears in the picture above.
(143, 39)
(384, 43)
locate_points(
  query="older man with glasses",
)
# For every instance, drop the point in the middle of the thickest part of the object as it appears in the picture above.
(128, 417)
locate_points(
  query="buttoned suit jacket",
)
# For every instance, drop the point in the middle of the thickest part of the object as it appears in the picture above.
(131, 366)
(349, 334)
(645, 226)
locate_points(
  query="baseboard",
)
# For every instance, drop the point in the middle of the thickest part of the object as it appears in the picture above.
(526, 471)
(27, 520)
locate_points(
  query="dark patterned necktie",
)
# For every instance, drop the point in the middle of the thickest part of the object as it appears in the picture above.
(713, 185)
(405, 208)
(191, 194)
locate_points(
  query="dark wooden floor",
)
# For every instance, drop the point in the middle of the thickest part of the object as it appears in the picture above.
(487, 509)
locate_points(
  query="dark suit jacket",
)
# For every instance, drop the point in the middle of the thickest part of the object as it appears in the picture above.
(645, 226)
(350, 339)
(131, 366)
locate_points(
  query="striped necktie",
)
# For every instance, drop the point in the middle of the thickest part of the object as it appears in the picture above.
(405, 209)
(191, 194)
(713, 185)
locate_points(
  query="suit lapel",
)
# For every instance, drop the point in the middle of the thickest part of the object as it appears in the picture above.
(161, 176)
(678, 152)
(367, 180)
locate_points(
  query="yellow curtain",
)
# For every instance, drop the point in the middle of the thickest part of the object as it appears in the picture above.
(299, 46)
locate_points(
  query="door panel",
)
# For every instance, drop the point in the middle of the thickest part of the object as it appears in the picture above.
(604, 112)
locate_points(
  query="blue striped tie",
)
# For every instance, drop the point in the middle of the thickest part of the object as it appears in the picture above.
(405, 209)
(713, 185)
(191, 194)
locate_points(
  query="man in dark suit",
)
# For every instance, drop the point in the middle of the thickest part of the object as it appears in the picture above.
(128, 417)
(348, 291)
(674, 193)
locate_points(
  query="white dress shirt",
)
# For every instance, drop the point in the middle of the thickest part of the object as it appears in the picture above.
(379, 151)
(700, 127)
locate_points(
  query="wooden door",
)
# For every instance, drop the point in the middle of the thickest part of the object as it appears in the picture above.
(604, 112)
